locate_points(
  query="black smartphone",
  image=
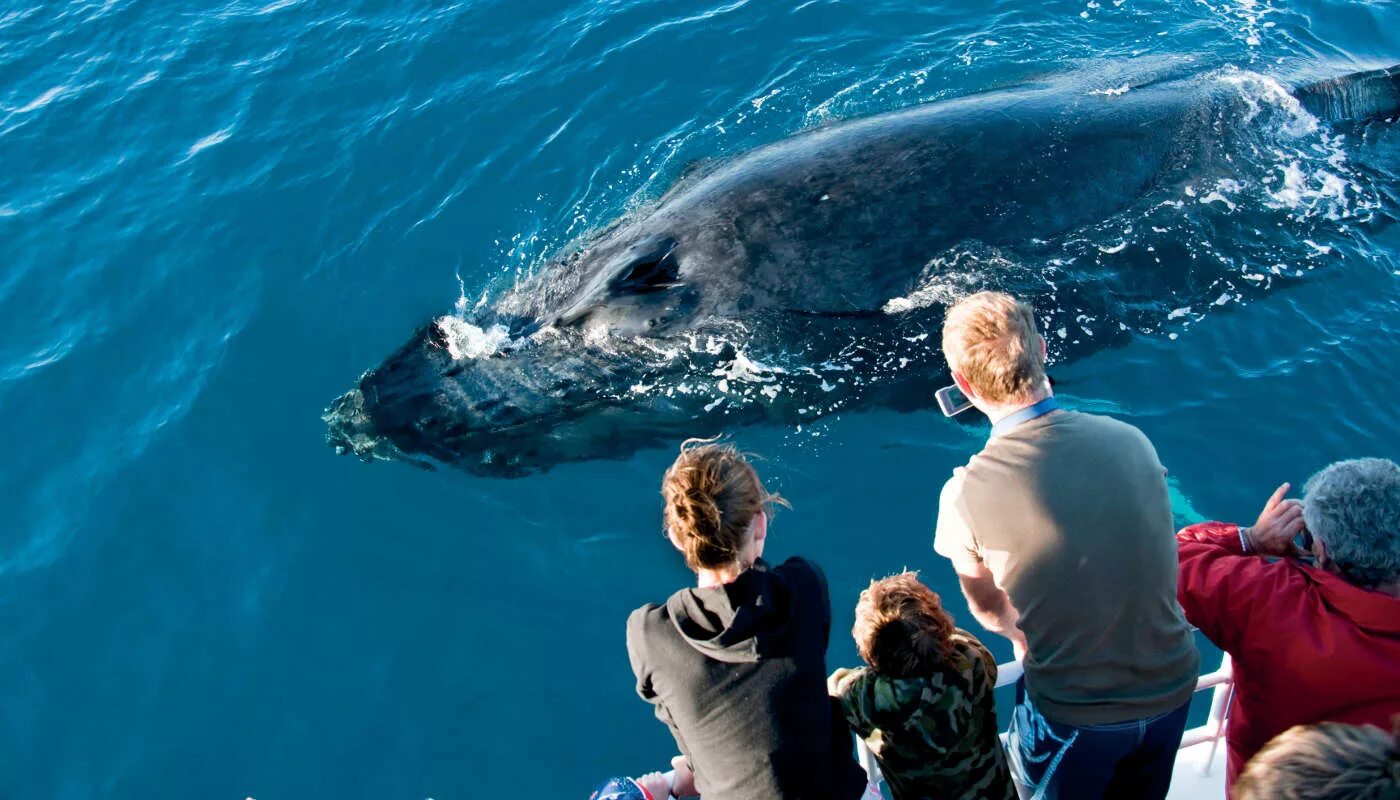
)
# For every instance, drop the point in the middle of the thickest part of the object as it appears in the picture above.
(951, 401)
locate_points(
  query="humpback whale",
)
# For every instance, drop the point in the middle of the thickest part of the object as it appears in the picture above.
(810, 275)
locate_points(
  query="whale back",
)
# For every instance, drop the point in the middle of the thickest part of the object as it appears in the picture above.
(840, 220)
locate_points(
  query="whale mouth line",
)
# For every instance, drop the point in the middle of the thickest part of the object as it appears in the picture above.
(354, 432)
(514, 428)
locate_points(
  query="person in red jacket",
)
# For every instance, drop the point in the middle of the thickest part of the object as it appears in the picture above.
(1310, 642)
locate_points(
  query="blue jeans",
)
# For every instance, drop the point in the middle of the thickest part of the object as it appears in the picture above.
(1130, 760)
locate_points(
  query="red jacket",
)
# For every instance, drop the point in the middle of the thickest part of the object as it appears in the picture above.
(1307, 646)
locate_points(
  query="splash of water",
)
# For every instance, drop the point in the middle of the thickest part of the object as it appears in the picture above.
(468, 341)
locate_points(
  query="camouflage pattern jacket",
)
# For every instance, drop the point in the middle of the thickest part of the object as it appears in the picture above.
(935, 736)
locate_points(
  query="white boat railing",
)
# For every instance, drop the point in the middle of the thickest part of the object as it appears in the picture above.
(1222, 686)
(1220, 682)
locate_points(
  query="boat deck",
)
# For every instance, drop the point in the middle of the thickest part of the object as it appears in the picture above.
(1199, 773)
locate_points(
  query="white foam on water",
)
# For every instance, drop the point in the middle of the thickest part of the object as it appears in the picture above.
(948, 279)
(1312, 176)
(759, 101)
(1114, 92)
(1217, 197)
(1220, 194)
(1260, 92)
(662, 353)
(1318, 191)
(468, 341)
(922, 297)
(746, 370)
(1246, 18)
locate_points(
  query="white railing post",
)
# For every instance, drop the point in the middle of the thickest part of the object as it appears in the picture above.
(868, 763)
(1009, 673)
(1223, 683)
(1220, 710)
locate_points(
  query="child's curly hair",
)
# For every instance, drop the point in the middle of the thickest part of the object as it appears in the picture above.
(901, 628)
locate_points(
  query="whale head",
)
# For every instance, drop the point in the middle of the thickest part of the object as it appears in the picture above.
(549, 374)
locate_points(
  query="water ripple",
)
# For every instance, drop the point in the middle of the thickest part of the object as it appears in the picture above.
(212, 217)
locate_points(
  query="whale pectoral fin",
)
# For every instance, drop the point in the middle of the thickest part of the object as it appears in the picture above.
(1358, 97)
(657, 270)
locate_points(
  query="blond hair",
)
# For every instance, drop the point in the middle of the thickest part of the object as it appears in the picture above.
(712, 494)
(1328, 761)
(990, 338)
(901, 628)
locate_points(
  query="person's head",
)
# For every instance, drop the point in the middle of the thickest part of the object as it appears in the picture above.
(1329, 761)
(994, 350)
(901, 628)
(1352, 510)
(716, 507)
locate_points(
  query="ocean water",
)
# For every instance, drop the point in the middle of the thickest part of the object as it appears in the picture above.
(213, 218)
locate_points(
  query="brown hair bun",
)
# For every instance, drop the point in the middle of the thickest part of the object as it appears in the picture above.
(712, 494)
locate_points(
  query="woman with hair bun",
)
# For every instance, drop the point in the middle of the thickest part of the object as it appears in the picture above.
(736, 666)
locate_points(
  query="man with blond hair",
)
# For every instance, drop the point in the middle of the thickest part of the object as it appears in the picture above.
(1061, 533)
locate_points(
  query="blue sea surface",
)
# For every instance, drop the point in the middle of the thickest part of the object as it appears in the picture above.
(214, 217)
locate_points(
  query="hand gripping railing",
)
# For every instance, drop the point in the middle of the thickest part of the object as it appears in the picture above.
(1220, 682)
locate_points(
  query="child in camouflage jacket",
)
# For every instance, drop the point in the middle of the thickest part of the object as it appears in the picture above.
(924, 704)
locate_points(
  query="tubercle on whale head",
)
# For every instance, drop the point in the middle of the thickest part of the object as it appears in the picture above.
(378, 418)
(351, 431)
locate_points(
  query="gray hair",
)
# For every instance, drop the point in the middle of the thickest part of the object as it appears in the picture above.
(1353, 507)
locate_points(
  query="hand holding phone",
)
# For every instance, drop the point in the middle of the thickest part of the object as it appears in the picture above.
(951, 400)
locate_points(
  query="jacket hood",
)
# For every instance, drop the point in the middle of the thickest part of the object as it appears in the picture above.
(742, 621)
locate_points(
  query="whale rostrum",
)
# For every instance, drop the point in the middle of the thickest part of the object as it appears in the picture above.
(810, 275)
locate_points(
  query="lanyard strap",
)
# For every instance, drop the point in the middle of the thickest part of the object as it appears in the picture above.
(1026, 414)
